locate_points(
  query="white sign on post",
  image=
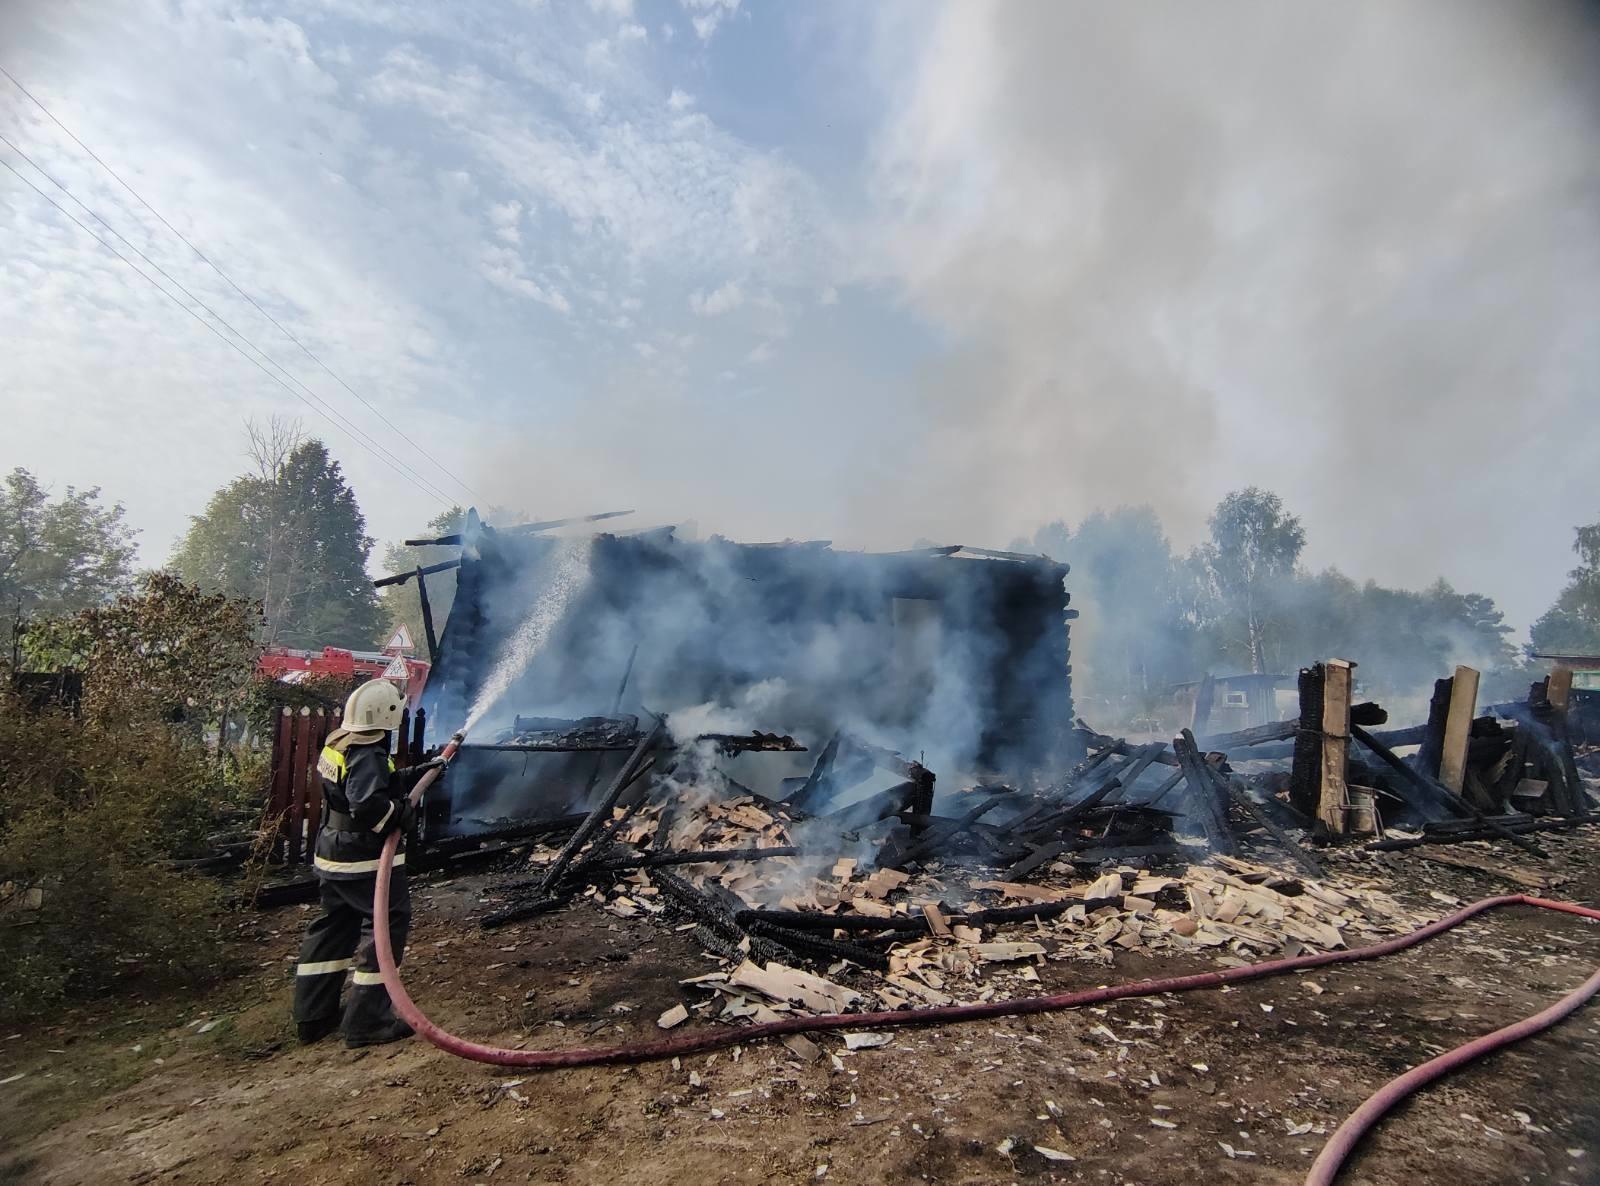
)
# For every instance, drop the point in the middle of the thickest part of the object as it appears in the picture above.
(399, 642)
(396, 670)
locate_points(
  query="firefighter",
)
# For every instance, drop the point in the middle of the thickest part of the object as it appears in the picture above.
(364, 798)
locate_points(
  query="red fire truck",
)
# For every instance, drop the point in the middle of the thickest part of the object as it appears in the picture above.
(394, 662)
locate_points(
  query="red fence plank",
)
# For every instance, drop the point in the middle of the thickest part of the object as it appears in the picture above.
(297, 793)
(279, 785)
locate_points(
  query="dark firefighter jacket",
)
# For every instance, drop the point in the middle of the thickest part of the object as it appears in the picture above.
(364, 800)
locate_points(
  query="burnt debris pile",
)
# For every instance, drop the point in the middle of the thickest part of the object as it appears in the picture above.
(862, 867)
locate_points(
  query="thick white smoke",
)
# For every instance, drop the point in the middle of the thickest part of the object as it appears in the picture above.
(1348, 252)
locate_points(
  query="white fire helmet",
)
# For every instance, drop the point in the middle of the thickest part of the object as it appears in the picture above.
(376, 704)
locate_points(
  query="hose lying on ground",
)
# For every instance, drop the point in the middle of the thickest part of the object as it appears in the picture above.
(696, 1042)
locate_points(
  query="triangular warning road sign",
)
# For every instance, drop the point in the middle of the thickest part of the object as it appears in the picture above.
(399, 642)
(396, 669)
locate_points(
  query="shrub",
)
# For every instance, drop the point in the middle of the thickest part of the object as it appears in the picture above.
(89, 811)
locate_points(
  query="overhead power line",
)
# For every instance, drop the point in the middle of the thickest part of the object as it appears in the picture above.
(406, 468)
(306, 350)
(326, 413)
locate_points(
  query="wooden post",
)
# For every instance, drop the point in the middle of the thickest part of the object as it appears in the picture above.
(428, 636)
(1433, 737)
(1458, 728)
(282, 777)
(1558, 693)
(402, 740)
(297, 788)
(1305, 777)
(1333, 797)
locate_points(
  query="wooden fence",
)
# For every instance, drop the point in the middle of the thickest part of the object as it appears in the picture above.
(295, 788)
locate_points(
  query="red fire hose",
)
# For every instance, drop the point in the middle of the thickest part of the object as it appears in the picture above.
(1323, 1170)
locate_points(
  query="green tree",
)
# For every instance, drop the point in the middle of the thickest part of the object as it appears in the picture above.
(1572, 624)
(90, 811)
(290, 536)
(59, 555)
(168, 651)
(402, 603)
(1247, 567)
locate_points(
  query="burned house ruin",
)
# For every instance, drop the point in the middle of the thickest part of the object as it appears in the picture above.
(956, 656)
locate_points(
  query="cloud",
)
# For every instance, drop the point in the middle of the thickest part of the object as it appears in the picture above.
(679, 100)
(505, 217)
(762, 353)
(828, 296)
(719, 301)
(707, 15)
(503, 268)
(620, 9)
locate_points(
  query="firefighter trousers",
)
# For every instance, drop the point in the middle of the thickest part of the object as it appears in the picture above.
(340, 939)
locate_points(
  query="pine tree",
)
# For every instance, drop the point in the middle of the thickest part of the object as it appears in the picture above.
(1572, 624)
(292, 537)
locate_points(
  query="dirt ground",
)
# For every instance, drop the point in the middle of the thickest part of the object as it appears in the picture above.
(1239, 1085)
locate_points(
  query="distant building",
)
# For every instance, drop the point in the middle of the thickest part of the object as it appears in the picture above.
(1585, 668)
(1225, 703)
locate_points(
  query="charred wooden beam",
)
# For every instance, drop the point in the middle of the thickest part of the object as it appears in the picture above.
(1509, 831)
(917, 924)
(428, 635)
(1164, 789)
(817, 779)
(1041, 855)
(1210, 806)
(658, 860)
(819, 946)
(1124, 852)
(1439, 795)
(719, 916)
(900, 798)
(425, 570)
(1297, 852)
(518, 911)
(549, 524)
(601, 810)
(1366, 713)
(936, 836)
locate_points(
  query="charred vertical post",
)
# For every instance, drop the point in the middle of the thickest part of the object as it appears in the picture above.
(428, 635)
(1305, 779)
(402, 740)
(1558, 694)
(419, 730)
(1432, 748)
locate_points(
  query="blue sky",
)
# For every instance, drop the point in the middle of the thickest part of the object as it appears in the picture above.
(869, 272)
